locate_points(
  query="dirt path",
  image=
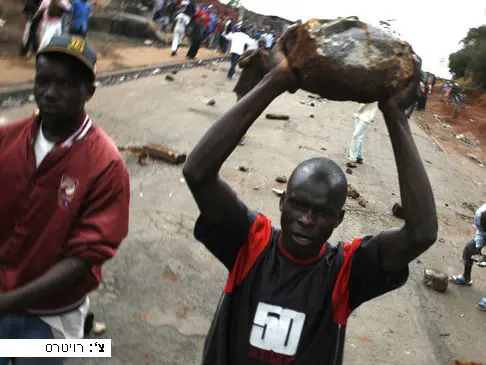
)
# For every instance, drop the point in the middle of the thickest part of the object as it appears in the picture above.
(19, 70)
(162, 319)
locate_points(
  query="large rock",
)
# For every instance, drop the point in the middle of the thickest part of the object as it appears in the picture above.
(436, 280)
(129, 25)
(346, 59)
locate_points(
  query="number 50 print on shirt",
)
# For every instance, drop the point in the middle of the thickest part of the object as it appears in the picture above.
(276, 329)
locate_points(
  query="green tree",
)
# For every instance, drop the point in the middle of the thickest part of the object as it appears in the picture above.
(470, 60)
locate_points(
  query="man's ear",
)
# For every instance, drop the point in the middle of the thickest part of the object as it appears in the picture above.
(91, 91)
(341, 217)
(281, 203)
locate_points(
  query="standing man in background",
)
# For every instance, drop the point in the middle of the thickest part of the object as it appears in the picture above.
(81, 12)
(363, 119)
(239, 41)
(182, 20)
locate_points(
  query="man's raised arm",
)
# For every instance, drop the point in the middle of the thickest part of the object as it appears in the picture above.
(215, 197)
(398, 247)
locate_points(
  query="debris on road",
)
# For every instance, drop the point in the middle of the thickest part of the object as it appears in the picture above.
(312, 104)
(204, 76)
(174, 72)
(130, 149)
(352, 192)
(362, 202)
(324, 148)
(398, 211)
(277, 116)
(169, 78)
(211, 102)
(278, 192)
(165, 154)
(475, 159)
(173, 270)
(148, 42)
(436, 280)
(243, 168)
(99, 328)
(142, 159)
(469, 206)
(256, 188)
(349, 171)
(281, 179)
(441, 240)
(312, 115)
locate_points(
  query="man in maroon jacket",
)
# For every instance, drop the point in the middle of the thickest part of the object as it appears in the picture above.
(64, 207)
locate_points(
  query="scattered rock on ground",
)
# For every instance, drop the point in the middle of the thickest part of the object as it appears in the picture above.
(243, 168)
(169, 78)
(99, 328)
(352, 192)
(475, 158)
(277, 116)
(349, 171)
(469, 206)
(165, 154)
(142, 159)
(312, 115)
(211, 102)
(436, 280)
(441, 240)
(362, 202)
(281, 179)
(324, 148)
(204, 76)
(148, 42)
(278, 192)
(174, 72)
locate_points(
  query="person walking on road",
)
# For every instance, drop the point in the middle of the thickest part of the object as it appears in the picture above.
(51, 12)
(67, 207)
(81, 12)
(239, 41)
(182, 20)
(362, 120)
(289, 293)
(473, 248)
(255, 64)
(196, 38)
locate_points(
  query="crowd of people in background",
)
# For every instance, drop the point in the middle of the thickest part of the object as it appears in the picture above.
(48, 18)
(206, 27)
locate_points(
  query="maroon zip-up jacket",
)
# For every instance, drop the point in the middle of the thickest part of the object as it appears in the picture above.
(75, 204)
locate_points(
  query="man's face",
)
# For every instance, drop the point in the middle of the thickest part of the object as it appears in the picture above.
(59, 91)
(310, 213)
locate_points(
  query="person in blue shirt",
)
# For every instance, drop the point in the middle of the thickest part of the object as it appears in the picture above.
(81, 12)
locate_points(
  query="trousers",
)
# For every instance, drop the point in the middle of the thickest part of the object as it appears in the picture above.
(356, 148)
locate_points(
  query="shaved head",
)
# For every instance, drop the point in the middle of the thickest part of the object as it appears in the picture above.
(323, 174)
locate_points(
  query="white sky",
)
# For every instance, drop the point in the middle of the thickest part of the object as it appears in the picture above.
(433, 27)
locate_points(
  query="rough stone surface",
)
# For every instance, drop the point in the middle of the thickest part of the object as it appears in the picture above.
(436, 280)
(347, 59)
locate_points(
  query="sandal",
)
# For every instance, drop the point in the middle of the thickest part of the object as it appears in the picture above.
(359, 160)
(459, 280)
(482, 305)
(351, 164)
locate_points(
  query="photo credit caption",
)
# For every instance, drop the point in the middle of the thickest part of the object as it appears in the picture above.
(55, 348)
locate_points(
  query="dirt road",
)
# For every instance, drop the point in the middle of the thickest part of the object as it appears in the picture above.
(160, 292)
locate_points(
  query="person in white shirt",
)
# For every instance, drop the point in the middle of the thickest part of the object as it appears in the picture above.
(363, 118)
(181, 22)
(239, 42)
(268, 39)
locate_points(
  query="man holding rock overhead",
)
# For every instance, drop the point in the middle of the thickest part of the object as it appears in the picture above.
(290, 292)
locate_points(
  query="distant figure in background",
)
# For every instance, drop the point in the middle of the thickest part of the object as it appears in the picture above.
(29, 39)
(81, 12)
(363, 119)
(268, 37)
(51, 13)
(239, 41)
(255, 64)
(425, 90)
(444, 90)
(181, 22)
(196, 38)
(459, 99)
(218, 30)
